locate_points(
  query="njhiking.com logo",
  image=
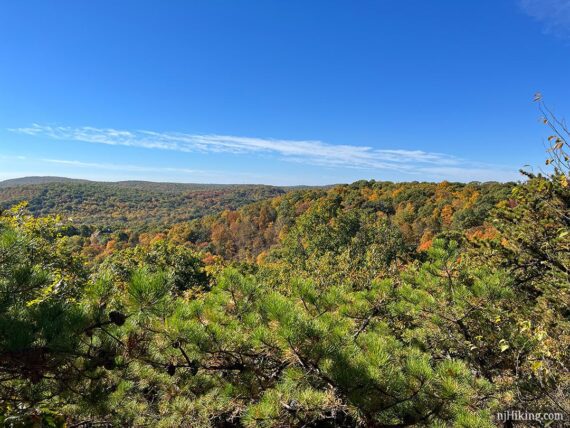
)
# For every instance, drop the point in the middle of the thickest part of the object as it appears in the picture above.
(524, 416)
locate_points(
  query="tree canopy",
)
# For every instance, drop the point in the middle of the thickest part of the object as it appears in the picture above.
(366, 305)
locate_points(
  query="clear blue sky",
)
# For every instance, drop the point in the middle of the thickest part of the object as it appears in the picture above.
(279, 92)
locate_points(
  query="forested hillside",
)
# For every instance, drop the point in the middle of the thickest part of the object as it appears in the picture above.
(372, 304)
(38, 180)
(419, 210)
(136, 205)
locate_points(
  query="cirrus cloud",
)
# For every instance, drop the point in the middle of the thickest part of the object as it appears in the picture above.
(314, 152)
(553, 14)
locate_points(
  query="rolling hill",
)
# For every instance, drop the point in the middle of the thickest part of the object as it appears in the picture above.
(132, 204)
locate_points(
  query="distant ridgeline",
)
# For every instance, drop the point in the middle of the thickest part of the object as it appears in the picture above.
(135, 205)
(243, 222)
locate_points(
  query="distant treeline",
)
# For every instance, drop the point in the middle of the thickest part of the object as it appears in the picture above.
(137, 205)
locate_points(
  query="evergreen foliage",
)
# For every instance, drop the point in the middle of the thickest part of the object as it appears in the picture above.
(369, 305)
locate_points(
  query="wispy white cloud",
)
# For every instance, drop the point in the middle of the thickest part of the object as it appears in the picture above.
(415, 163)
(121, 171)
(118, 167)
(181, 173)
(553, 14)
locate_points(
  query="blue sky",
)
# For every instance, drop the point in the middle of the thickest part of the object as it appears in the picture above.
(279, 92)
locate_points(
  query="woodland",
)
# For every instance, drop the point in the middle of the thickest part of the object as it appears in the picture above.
(371, 304)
